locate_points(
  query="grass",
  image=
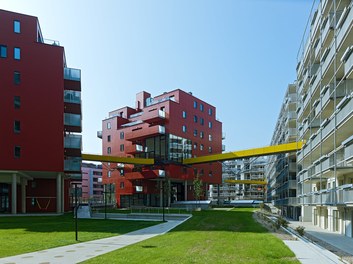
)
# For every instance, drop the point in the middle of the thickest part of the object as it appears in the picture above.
(25, 234)
(208, 237)
(147, 210)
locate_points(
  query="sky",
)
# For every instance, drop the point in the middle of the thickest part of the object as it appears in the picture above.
(239, 56)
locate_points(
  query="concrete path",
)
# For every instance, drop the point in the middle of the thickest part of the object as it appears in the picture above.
(79, 252)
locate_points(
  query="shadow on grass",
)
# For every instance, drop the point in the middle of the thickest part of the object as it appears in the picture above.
(66, 223)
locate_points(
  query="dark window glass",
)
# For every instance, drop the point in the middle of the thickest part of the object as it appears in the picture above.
(3, 51)
(210, 124)
(195, 119)
(184, 114)
(17, 77)
(17, 102)
(184, 128)
(195, 104)
(195, 132)
(122, 147)
(121, 135)
(122, 185)
(109, 138)
(210, 111)
(202, 121)
(17, 151)
(109, 150)
(17, 126)
(201, 107)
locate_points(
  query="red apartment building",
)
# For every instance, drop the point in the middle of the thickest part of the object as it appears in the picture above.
(40, 116)
(168, 128)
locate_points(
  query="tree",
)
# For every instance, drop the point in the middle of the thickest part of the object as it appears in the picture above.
(197, 188)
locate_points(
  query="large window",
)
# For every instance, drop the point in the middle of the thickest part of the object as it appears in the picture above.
(17, 77)
(179, 148)
(17, 26)
(17, 53)
(3, 51)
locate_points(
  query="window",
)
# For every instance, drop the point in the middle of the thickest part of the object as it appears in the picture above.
(17, 26)
(195, 104)
(3, 51)
(122, 172)
(209, 137)
(201, 107)
(210, 124)
(195, 119)
(109, 150)
(210, 111)
(17, 126)
(109, 125)
(121, 135)
(121, 147)
(195, 132)
(17, 77)
(17, 151)
(122, 185)
(195, 145)
(202, 121)
(17, 53)
(184, 114)
(109, 174)
(17, 102)
(201, 134)
(201, 146)
(109, 138)
(210, 173)
(184, 129)
(210, 149)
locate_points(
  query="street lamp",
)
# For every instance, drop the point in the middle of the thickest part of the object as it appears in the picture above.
(75, 210)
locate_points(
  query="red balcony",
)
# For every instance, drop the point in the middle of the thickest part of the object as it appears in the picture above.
(144, 132)
(134, 149)
(145, 174)
(154, 117)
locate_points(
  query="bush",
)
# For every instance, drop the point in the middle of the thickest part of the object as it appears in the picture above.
(282, 222)
(300, 230)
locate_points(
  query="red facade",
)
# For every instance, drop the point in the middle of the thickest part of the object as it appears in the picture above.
(34, 118)
(168, 128)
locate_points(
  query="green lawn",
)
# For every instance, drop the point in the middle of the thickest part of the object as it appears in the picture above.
(24, 234)
(208, 237)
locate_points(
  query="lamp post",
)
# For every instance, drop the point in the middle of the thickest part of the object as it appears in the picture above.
(163, 182)
(75, 210)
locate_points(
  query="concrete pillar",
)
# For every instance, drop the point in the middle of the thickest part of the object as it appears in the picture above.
(23, 195)
(186, 191)
(14, 194)
(62, 195)
(58, 194)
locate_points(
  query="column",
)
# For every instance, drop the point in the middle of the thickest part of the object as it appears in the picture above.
(58, 194)
(23, 195)
(62, 194)
(186, 191)
(14, 194)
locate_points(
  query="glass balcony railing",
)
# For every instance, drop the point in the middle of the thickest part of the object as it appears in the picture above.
(72, 74)
(72, 97)
(72, 119)
(73, 141)
(72, 164)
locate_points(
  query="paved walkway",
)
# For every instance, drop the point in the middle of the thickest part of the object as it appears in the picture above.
(339, 244)
(79, 252)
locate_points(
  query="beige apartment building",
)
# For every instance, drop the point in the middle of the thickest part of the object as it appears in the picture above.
(325, 118)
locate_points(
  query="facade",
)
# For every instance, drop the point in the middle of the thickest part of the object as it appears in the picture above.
(92, 186)
(281, 169)
(325, 119)
(40, 119)
(168, 128)
(245, 169)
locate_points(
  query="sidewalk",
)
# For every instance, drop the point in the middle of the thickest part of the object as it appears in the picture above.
(332, 245)
(79, 252)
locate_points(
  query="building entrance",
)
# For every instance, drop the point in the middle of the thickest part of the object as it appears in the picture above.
(4, 198)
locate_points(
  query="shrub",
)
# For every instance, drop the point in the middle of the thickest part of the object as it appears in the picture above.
(300, 230)
(282, 222)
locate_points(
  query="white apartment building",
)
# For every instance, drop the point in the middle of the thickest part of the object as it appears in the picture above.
(325, 118)
(281, 169)
(245, 169)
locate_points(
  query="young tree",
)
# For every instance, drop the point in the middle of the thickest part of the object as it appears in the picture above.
(197, 188)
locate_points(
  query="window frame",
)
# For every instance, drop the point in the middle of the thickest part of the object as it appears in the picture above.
(3, 47)
(17, 126)
(17, 26)
(17, 149)
(17, 52)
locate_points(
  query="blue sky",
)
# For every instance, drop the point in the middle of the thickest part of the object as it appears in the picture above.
(237, 55)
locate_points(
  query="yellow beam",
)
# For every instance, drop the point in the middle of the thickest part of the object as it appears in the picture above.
(264, 151)
(246, 182)
(103, 158)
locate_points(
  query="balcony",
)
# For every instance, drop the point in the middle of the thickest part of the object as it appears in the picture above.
(154, 117)
(327, 57)
(73, 141)
(347, 58)
(134, 149)
(327, 127)
(73, 97)
(144, 174)
(99, 134)
(72, 120)
(343, 24)
(72, 74)
(345, 108)
(144, 132)
(72, 164)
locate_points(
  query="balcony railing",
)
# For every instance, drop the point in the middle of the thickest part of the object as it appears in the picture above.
(73, 141)
(72, 120)
(73, 97)
(72, 74)
(344, 23)
(72, 164)
(345, 110)
(154, 116)
(145, 132)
